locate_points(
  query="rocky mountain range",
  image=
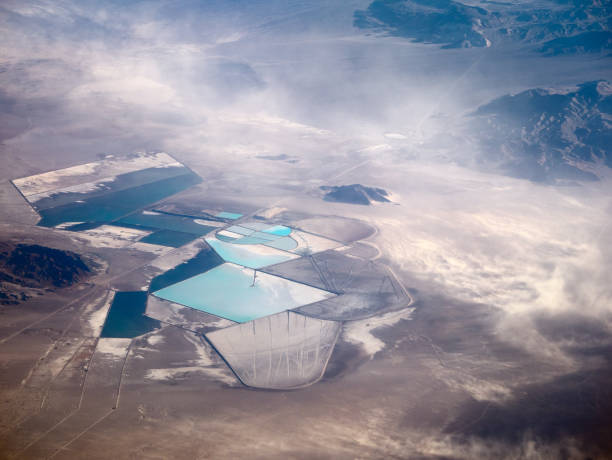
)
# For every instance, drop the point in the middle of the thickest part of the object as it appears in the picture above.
(26, 269)
(546, 134)
(553, 27)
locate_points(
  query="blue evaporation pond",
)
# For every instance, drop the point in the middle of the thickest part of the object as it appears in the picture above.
(115, 184)
(279, 230)
(126, 318)
(231, 292)
(201, 262)
(252, 256)
(229, 215)
(168, 238)
(159, 221)
(115, 204)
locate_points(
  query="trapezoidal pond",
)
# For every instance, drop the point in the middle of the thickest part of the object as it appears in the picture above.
(241, 294)
(259, 236)
(281, 351)
(249, 255)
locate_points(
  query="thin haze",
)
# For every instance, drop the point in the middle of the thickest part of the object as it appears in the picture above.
(219, 83)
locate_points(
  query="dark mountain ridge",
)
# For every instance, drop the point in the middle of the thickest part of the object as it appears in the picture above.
(31, 266)
(552, 28)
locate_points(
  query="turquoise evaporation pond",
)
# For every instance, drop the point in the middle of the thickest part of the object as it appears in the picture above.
(260, 227)
(279, 230)
(229, 215)
(275, 236)
(228, 291)
(252, 256)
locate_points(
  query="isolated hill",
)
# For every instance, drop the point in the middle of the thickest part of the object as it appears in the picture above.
(354, 194)
(24, 267)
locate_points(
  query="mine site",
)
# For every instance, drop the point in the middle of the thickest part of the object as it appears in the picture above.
(242, 297)
(357, 229)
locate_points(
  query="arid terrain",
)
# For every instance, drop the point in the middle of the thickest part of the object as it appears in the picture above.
(422, 190)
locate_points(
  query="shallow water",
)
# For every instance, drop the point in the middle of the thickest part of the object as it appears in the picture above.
(229, 215)
(264, 234)
(202, 261)
(252, 256)
(126, 316)
(165, 222)
(232, 292)
(111, 206)
(240, 230)
(279, 230)
(169, 238)
(115, 184)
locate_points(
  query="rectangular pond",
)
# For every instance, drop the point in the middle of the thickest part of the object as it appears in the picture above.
(168, 238)
(159, 221)
(229, 215)
(113, 205)
(103, 187)
(126, 318)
